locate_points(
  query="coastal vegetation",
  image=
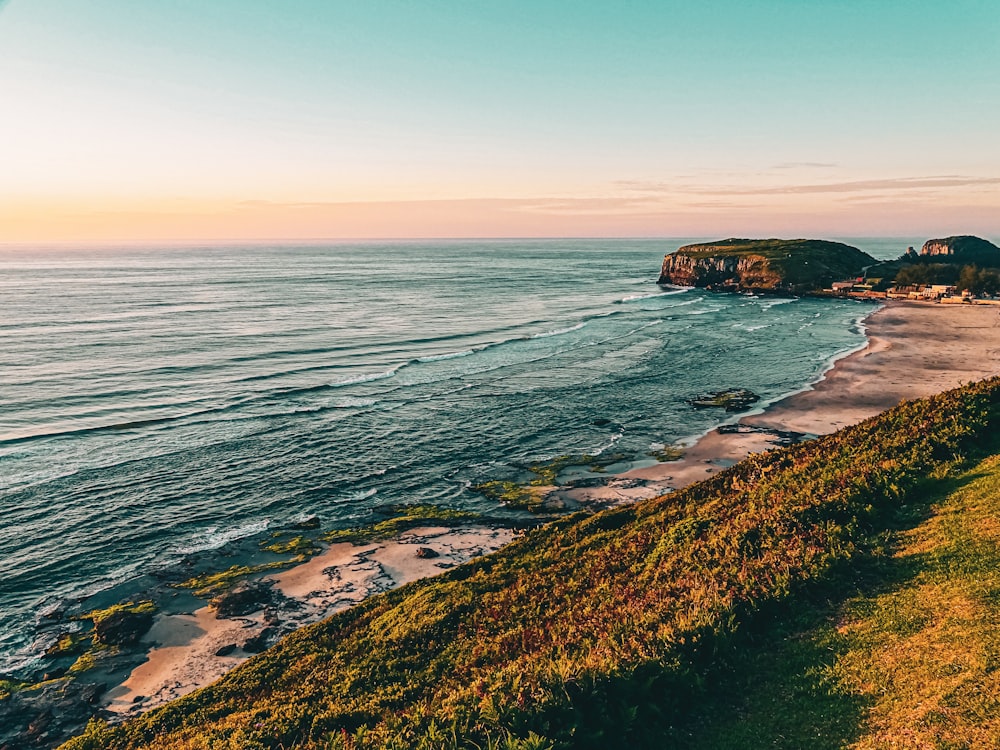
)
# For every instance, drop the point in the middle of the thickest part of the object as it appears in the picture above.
(969, 278)
(834, 592)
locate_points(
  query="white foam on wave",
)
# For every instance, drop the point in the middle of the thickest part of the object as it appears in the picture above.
(360, 496)
(768, 304)
(651, 295)
(213, 537)
(648, 324)
(355, 379)
(449, 355)
(610, 444)
(558, 331)
(705, 311)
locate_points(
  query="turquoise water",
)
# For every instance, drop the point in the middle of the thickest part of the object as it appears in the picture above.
(155, 402)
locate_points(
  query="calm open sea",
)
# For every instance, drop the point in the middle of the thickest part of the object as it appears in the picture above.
(158, 401)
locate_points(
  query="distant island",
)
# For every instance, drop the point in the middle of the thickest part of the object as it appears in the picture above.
(772, 265)
(956, 269)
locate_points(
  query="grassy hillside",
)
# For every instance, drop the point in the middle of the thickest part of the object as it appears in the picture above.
(768, 606)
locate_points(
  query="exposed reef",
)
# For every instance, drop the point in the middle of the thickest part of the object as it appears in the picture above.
(731, 399)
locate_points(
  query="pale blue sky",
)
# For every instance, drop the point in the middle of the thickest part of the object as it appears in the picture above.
(683, 116)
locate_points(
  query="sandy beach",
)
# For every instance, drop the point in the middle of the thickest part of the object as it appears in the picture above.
(914, 350)
(189, 651)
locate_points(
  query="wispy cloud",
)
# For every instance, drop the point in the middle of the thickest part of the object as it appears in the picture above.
(806, 165)
(856, 186)
(860, 186)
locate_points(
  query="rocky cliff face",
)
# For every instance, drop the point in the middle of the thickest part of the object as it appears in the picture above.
(717, 270)
(795, 266)
(962, 247)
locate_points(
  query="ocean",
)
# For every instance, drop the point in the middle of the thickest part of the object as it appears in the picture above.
(156, 402)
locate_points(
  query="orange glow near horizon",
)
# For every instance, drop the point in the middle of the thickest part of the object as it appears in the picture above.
(932, 206)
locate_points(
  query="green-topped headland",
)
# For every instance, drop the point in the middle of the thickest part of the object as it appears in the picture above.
(773, 265)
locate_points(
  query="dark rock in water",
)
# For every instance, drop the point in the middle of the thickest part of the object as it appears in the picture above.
(123, 628)
(243, 599)
(601, 422)
(226, 650)
(586, 482)
(426, 552)
(731, 399)
(781, 437)
(259, 642)
(46, 717)
(312, 522)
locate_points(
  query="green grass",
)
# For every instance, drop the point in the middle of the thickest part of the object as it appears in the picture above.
(746, 594)
(910, 660)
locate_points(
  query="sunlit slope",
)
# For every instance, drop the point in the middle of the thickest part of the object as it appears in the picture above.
(905, 653)
(611, 630)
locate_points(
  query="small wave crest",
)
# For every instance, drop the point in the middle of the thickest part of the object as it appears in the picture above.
(364, 378)
(358, 497)
(651, 295)
(354, 403)
(213, 537)
(768, 304)
(557, 331)
(449, 355)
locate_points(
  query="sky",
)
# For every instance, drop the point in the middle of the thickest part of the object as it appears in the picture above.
(307, 119)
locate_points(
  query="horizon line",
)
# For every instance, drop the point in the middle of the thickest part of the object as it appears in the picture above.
(446, 238)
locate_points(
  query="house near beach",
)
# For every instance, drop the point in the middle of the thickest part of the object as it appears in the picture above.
(922, 291)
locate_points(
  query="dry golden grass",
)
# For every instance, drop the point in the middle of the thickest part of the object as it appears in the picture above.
(926, 652)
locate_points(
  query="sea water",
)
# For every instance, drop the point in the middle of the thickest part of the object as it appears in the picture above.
(159, 401)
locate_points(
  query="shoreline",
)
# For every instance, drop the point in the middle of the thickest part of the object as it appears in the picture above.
(189, 651)
(912, 350)
(184, 648)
